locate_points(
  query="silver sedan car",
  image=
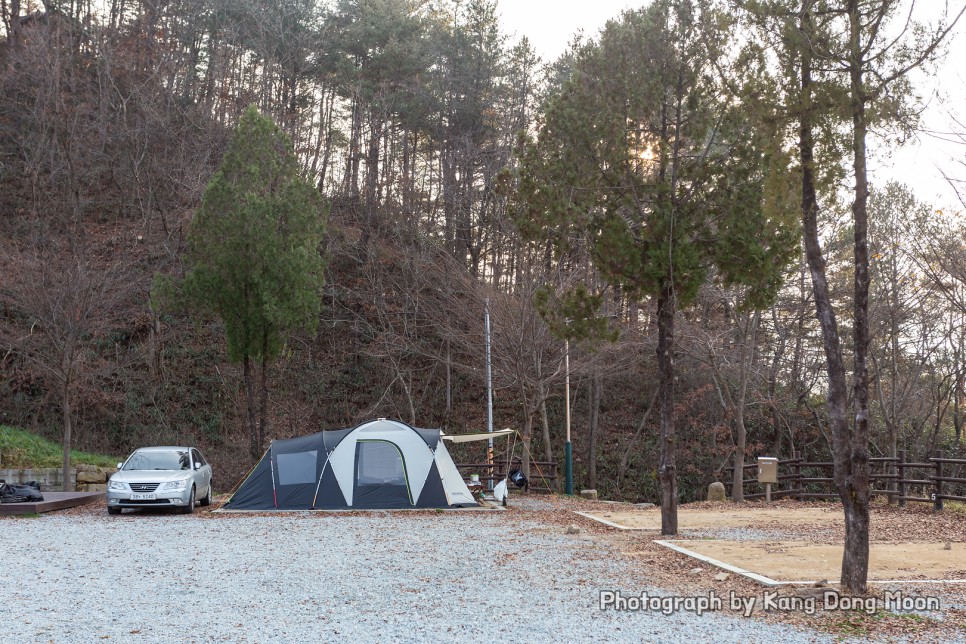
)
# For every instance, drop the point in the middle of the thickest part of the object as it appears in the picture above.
(160, 477)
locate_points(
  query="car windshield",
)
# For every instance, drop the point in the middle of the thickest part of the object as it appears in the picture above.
(159, 460)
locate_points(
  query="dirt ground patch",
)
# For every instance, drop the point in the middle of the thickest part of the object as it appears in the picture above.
(760, 523)
(703, 519)
(801, 561)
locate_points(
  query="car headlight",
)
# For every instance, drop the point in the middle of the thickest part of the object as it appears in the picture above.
(175, 485)
(116, 485)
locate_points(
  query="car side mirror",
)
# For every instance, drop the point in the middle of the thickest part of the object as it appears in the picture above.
(197, 466)
(119, 465)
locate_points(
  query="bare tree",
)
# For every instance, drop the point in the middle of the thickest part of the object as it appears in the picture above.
(55, 310)
(848, 43)
(731, 354)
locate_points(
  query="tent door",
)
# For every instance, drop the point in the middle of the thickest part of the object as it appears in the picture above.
(381, 480)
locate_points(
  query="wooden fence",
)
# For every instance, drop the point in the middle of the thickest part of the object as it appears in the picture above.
(928, 482)
(543, 474)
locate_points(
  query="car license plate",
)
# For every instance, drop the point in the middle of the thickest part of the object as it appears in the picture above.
(143, 497)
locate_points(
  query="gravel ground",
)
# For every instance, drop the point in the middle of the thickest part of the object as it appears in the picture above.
(321, 577)
(739, 534)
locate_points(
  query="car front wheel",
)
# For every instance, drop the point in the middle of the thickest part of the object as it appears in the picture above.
(188, 509)
(111, 510)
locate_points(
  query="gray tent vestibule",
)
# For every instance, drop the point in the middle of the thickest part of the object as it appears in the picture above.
(382, 464)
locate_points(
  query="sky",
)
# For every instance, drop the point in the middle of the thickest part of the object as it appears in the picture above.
(551, 24)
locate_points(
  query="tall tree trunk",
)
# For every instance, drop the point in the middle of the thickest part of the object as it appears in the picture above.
(407, 177)
(738, 475)
(449, 381)
(450, 198)
(154, 352)
(856, 540)
(65, 408)
(352, 163)
(667, 471)
(326, 112)
(263, 405)
(853, 479)
(14, 19)
(774, 414)
(211, 68)
(544, 421)
(545, 426)
(892, 417)
(527, 440)
(734, 402)
(594, 387)
(253, 450)
(527, 437)
(889, 417)
(371, 225)
(958, 389)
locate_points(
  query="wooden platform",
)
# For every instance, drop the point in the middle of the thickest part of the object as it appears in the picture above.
(52, 501)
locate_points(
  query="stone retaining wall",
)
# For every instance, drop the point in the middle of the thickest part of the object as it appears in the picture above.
(93, 479)
(83, 478)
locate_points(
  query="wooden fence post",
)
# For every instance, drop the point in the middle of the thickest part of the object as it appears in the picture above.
(938, 504)
(798, 474)
(901, 482)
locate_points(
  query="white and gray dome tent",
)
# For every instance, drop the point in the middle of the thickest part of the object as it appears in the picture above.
(382, 464)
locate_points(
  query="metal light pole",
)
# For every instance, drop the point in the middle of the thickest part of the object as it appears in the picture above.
(489, 390)
(568, 446)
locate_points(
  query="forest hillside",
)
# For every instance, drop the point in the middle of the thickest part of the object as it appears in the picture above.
(458, 172)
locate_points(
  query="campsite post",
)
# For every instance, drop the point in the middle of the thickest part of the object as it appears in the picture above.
(568, 446)
(489, 392)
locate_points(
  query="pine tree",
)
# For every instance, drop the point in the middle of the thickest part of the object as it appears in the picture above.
(253, 258)
(649, 164)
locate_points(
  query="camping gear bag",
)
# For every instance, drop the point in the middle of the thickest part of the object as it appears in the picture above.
(27, 493)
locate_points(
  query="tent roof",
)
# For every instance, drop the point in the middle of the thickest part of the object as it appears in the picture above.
(332, 437)
(323, 471)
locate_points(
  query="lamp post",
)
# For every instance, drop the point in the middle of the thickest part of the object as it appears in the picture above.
(568, 446)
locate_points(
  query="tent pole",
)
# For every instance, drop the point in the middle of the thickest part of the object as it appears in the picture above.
(271, 462)
(568, 446)
(241, 481)
(489, 392)
(319, 484)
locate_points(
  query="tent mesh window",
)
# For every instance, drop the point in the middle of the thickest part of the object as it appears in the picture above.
(297, 468)
(380, 463)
